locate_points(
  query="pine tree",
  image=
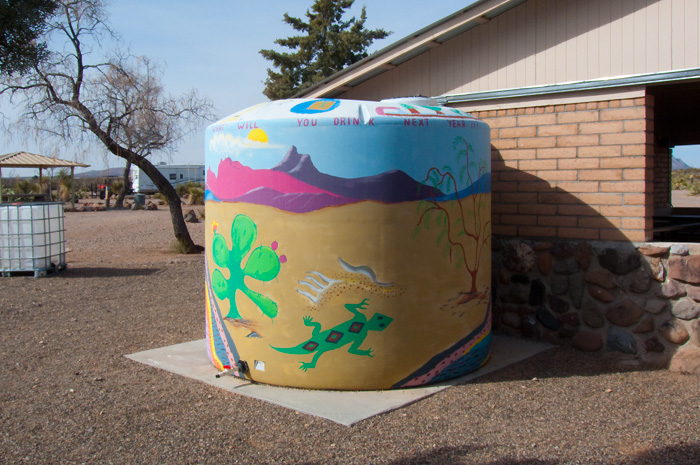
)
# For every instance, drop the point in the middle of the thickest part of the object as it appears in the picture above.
(22, 22)
(328, 44)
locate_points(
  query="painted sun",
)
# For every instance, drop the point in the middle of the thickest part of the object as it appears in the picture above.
(258, 135)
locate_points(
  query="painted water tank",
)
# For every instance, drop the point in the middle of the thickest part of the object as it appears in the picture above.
(348, 243)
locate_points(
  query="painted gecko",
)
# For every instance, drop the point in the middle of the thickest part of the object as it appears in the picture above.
(353, 331)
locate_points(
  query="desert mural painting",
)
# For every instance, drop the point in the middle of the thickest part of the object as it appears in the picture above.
(348, 243)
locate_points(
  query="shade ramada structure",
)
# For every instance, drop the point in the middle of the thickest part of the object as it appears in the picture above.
(31, 160)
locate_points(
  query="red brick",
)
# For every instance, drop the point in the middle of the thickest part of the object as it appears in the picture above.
(519, 219)
(623, 162)
(579, 163)
(631, 174)
(516, 175)
(578, 186)
(578, 117)
(578, 141)
(578, 210)
(634, 223)
(534, 165)
(600, 199)
(504, 230)
(622, 210)
(556, 152)
(507, 208)
(634, 125)
(518, 132)
(623, 235)
(530, 111)
(502, 122)
(537, 142)
(519, 154)
(648, 100)
(626, 103)
(534, 186)
(558, 175)
(637, 149)
(557, 220)
(557, 130)
(519, 197)
(537, 209)
(635, 199)
(536, 231)
(578, 233)
(519, 111)
(601, 128)
(600, 175)
(621, 114)
(504, 186)
(503, 144)
(591, 105)
(600, 151)
(622, 186)
(598, 222)
(623, 138)
(537, 120)
(603, 105)
(557, 197)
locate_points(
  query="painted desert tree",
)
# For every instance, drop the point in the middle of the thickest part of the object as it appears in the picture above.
(326, 45)
(78, 91)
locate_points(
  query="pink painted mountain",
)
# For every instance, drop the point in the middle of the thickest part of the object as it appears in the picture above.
(235, 182)
(296, 185)
(234, 179)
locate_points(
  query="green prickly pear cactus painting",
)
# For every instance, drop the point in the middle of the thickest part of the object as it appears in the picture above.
(263, 264)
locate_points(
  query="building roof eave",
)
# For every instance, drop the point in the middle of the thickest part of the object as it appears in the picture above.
(419, 42)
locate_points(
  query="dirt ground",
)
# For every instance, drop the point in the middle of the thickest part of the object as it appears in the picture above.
(68, 395)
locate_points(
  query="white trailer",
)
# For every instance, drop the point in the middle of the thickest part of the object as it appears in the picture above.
(176, 174)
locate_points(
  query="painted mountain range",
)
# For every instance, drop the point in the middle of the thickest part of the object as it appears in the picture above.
(296, 185)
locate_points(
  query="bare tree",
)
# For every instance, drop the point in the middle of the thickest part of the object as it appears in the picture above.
(119, 99)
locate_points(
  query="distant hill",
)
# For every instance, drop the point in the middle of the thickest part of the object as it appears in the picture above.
(678, 164)
(100, 173)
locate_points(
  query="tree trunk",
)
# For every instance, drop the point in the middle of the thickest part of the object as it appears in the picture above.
(182, 234)
(119, 203)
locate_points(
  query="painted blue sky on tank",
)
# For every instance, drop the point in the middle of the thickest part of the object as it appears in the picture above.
(348, 145)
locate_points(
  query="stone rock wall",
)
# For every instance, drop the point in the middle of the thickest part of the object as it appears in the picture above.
(613, 298)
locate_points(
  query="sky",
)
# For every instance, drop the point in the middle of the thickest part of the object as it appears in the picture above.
(213, 47)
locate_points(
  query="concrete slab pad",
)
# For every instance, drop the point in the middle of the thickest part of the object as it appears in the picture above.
(345, 407)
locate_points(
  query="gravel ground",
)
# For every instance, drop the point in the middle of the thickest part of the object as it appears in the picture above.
(683, 199)
(68, 394)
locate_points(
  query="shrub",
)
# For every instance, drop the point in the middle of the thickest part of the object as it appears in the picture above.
(196, 196)
(185, 188)
(161, 198)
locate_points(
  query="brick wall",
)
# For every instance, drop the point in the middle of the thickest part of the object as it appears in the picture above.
(576, 171)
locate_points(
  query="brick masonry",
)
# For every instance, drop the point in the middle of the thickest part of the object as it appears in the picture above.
(577, 171)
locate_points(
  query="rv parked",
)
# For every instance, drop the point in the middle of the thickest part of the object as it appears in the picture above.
(176, 174)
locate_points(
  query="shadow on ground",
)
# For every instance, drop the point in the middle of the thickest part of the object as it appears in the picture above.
(106, 272)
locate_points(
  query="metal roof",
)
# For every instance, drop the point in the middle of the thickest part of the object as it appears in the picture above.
(427, 38)
(31, 160)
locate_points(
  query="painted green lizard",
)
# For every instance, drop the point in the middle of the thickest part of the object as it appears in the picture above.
(353, 331)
